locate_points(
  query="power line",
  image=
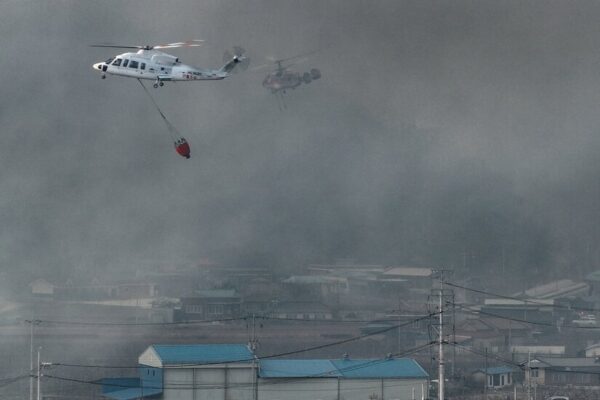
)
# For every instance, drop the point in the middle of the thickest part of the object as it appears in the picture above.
(288, 353)
(206, 321)
(8, 381)
(539, 303)
(81, 323)
(479, 312)
(186, 386)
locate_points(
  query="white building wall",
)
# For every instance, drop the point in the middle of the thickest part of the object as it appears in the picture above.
(363, 389)
(202, 383)
(350, 389)
(177, 384)
(403, 389)
(229, 383)
(241, 383)
(298, 389)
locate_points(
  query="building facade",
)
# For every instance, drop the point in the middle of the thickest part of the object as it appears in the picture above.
(232, 372)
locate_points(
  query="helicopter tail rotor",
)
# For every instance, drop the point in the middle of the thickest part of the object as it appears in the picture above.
(236, 61)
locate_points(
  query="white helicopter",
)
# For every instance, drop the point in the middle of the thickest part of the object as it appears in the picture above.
(149, 63)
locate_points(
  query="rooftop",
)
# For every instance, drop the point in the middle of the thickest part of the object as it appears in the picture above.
(344, 368)
(177, 354)
(503, 369)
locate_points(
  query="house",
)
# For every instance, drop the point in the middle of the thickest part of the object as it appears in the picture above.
(593, 350)
(563, 288)
(210, 304)
(233, 372)
(302, 310)
(560, 371)
(495, 377)
(522, 351)
(537, 311)
(315, 287)
(42, 288)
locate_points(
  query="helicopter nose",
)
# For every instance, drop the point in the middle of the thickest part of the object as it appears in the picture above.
(97, 66)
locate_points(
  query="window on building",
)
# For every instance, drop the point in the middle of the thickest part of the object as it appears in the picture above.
(133, 64)
(125, 62)
(535, 372)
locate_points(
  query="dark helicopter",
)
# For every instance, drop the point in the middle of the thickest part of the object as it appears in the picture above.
(283, 78)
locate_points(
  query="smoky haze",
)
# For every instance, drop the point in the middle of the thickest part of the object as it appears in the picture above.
(454, 133)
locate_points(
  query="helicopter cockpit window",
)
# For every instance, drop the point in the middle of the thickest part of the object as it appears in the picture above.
(108, 61)
(133, 64)
(125, 62)
(117, 62)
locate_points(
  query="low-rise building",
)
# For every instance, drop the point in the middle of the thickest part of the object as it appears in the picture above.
(233, 372)
(495, 377)
(561, 371)
(210, 304)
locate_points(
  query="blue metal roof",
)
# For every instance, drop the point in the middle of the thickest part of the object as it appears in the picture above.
(202, 353)
(380, 368)
(127, 389)
(351, 369)
(296, 368)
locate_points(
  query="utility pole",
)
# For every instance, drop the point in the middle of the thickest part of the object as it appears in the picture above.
(485, 384)
(31, 323)
(529, 375)
(441, 341)
(40, 367)
(252, 339)
(444, 296)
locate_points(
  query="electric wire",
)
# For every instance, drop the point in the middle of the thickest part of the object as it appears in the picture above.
(288, 353)
(536, 302)
(561, 326)
(276, 381)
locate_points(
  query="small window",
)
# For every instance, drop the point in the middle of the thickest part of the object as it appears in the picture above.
(535, 373)
(117, 62)
(125, 62)
(162, 68)
(143, 66)
(133, 64)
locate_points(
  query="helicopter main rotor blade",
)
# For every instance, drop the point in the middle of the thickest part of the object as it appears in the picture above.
(187, 43)
(282, 60)
(114, 46)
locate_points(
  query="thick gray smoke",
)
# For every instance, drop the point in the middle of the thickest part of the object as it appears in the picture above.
(455, 133)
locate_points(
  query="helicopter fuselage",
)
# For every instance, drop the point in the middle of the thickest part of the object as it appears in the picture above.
(156, 65)
(282, 80)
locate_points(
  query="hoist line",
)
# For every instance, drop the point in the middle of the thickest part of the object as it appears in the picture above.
(172, 130)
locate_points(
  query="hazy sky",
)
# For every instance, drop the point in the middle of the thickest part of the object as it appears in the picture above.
(442, 132)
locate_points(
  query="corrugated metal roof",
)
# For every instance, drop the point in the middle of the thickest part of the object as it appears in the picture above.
(202, 353)
(127, 389)
(296, 368)
(378, 368)
(346, 368)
